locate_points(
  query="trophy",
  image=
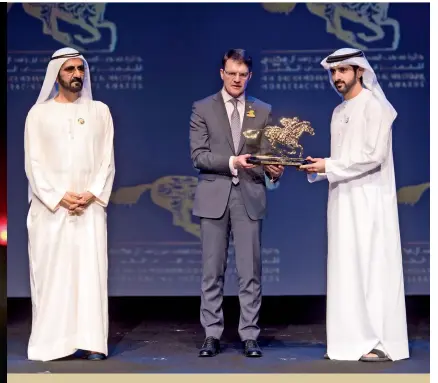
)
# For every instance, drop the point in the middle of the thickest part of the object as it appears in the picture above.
(275, 145)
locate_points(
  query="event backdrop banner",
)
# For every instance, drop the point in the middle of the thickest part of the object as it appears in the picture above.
(150, 62)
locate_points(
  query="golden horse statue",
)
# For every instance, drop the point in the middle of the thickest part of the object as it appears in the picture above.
(286, 136)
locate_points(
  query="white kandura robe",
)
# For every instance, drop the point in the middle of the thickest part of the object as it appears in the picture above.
(68, 255)
(365, 287)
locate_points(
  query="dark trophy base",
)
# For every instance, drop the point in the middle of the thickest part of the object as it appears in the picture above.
(271, 160)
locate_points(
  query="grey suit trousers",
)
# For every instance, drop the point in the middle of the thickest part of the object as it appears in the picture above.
(215, 238)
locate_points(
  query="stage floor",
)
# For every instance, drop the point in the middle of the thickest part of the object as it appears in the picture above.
(145, 344)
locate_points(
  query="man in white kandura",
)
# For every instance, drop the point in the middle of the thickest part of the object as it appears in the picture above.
(366, 315)
(69, 163)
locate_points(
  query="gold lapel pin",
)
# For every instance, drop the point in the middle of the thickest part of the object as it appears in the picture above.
(250, 113)
(81, 121)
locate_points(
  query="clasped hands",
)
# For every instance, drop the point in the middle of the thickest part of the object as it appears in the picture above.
(76, 203)
(274, 171)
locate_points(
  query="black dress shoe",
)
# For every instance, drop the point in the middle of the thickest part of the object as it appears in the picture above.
(211, 347)
(252, 349)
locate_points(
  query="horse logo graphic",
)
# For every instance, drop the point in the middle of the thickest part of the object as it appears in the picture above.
(176, 195)
(373, 16)
(173, 193)
(410, 195)
(86, 19)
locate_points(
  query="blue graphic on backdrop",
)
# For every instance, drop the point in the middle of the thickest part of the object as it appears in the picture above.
(150, 62)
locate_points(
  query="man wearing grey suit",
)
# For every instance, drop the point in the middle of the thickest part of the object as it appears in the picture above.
(230, 197)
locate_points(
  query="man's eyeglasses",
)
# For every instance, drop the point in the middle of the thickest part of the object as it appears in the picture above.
(235, 74)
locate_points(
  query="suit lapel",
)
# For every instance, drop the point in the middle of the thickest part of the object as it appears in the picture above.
(221, 113)
(248, 122)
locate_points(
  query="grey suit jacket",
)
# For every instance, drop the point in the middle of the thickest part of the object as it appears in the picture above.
(211, 145)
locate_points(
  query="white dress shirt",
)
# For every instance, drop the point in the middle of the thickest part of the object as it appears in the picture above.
(241, 109)
(230, 108)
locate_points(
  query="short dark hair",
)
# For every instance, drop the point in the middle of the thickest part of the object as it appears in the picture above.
(238, 55)
(355, 68)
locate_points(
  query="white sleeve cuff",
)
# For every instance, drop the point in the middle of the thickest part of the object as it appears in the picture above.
(271, 185)
(232, 169)
(316, 177)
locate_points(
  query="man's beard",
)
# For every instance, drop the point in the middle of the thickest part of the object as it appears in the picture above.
(347, 86)
(74, 86)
